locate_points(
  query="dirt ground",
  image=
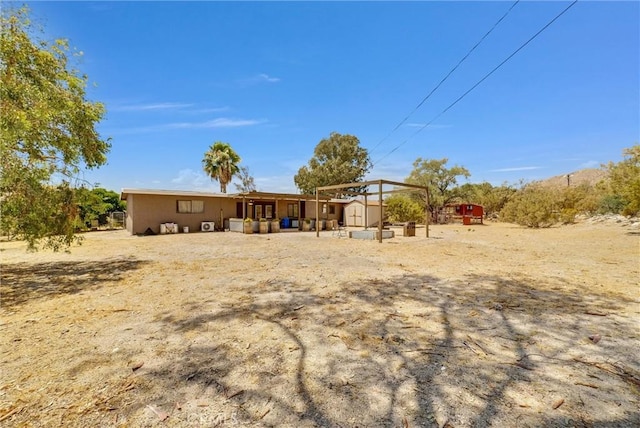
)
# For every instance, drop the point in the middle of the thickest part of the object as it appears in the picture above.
(477, 325)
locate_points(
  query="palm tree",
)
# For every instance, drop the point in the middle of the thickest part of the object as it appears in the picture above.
(221, 163)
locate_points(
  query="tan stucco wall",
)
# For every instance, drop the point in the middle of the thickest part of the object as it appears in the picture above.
(145, 211)
(311, 211)
(128, 221)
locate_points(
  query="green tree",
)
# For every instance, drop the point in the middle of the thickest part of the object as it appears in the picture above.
(440, 180)
(47, 134)
(402, 208)
(492, 198)
(336, 160)
(97, 204)
(247, 183)
(221, 163)
(624, 180)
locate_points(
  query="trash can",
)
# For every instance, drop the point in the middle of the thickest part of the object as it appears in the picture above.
(185, 229)
(409, 228)
(286, 223)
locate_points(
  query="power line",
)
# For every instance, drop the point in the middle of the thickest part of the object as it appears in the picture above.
(447, 76)
(481, 80)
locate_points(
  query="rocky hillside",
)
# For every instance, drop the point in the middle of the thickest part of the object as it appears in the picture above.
(589, 176)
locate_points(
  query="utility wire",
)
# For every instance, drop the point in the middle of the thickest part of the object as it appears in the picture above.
(481, 80)
(446, 77)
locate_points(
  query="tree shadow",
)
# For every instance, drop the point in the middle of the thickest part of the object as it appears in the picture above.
(415, 350)
(25, 282)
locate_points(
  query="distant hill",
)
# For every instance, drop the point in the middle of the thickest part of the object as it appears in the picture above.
(589, 176)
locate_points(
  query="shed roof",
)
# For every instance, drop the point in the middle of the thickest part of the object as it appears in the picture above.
(370, 202)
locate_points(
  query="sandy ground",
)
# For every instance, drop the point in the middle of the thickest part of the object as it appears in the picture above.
(475, 326)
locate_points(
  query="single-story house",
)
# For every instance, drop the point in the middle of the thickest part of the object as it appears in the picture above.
(356, 214)
(158, 209)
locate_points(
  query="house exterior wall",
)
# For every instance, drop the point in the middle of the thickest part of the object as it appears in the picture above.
(128, 221)
(149, 211)
(327, 214)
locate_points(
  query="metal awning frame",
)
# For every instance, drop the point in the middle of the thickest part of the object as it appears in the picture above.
(380, 183)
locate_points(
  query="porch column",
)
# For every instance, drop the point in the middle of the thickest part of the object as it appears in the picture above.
(244, 208)
(380, 220)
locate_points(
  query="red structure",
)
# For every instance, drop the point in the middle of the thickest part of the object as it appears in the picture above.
(467, 213)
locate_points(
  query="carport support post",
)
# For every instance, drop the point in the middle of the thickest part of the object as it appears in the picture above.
(380, 219)
(427, 213)
(317, 213)
(366, 211)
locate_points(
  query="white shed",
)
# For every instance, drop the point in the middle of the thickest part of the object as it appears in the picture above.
(354, 213)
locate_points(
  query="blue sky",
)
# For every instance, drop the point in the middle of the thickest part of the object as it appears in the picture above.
(274, 78)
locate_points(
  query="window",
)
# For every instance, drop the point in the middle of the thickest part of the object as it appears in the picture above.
(324, 208)
(332, 209)
(292, 210)
(190, 207)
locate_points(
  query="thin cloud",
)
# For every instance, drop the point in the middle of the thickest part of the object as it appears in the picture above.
(260, 78)
(153, 106)
(211, 110)
(276, 183)
(590, 164)
(519, 168)
(189, 179)
(221, 122)
(267, 78)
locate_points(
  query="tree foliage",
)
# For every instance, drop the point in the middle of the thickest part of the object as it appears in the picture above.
(47, 134)
(221, 163)
(441, 181)
(624, 180)
(336, 160)
(401, 208)
(492, 198)
(247, 183)
(96, 204)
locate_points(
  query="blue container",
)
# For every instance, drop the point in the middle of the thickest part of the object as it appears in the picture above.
(285, 223)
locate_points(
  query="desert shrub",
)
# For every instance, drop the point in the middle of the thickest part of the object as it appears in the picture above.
(532, 206)
(611, 204)
(624, 181)
(403, 208)
(580, 199)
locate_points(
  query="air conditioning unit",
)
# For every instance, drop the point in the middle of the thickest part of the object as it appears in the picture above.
(207, 226)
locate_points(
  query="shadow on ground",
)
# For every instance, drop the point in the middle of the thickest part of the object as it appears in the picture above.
(415, 350)
(24, 282)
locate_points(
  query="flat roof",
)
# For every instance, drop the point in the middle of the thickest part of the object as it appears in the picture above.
(190, 193)
(162, 192)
